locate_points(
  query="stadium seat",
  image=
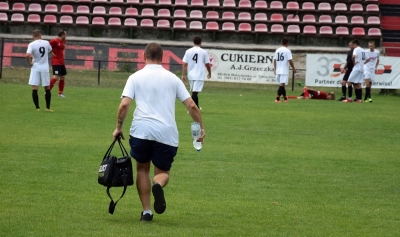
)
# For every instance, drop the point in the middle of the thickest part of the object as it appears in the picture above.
(132, 1)
(181, 3)
(356, 7)
(130, 22)
(164, 13)
(325, 30)
(82, 20)
(34, 7)
(165, 2)
(3, 17)
(292, 5)
(179, 24)
(372, 8)
(212, 15)
(293, 29)
(18, 7)
(244, 27)
(228, 26)
(340, 7)
(34, 18)
(213, 3)
(228, 16)
(147, 23)
(196, 14)
(67, 9)
(261, 28)
(276, 5)
(342, 31)
(229, 3)
(114, 21)
(197, 3)
(244, 16)
(100, 0)
(374, 32)
(373, 20)
(212, 25)
(84, 0)
(149, 2)
(98, 20)
(308, 6)
(147, 12)
(163, 23)
(292, 18)
(51, 8)
(117, 1)
(99, 10)
(357, 20)
(260, 5)
(358, 31)
(4, 6)
(309, 18)
(310, 30)
(324, 6)
(50, 19)
(260, 17)
(82, 9)
(116, 11)
(131, 11)
(180, 14)
(325, 19)
(66, 20)
(277, 28)
(341, 20)
(276, 17)
(196, 25)
(244, 4)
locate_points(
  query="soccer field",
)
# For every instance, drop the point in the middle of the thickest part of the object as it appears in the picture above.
(303, 168)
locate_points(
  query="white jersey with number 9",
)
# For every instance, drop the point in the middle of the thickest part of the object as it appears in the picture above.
(196, 58)
(282, 57)
(40, 49)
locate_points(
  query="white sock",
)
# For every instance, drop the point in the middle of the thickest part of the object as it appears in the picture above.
(147, 212)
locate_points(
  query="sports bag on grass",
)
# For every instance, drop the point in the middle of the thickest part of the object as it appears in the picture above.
(115, 172)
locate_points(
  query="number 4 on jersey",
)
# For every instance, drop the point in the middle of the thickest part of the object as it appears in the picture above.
(195, 57)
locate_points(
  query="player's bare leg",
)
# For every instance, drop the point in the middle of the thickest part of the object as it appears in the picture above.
(143, 184)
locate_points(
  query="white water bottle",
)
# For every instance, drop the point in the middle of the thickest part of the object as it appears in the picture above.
(196, 133)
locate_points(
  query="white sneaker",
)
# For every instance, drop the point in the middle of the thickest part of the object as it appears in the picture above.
(61, 95)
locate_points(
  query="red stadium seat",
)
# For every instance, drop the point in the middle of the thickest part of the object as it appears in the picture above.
(179, 24)
(324, 6)
(149, 2)
(244, 27)
(212, 25)
(229, 3)
(373, 20)
(82, 9)
(100, 0)
(99, 10)
(292, 18)
(310, 30)
(116, 11)
(213, 3)
(356, 7)
(212, 15)
(244, 16)
(341, 20)
(4, 6)
(276, 5)
(66, 20)
(84, 0)
(82, 20)
(34, 18)
(325, 30)
(35, 7)
(228, 16)
(117, 1)
(196, 14)
(131, 11)
(180, 14)
(3, 17)
(50, 19)
(374, 32)
(181, 3)
(260, 5)
(114, 21)
(293, 29)
(51, 8)
(358, 31)
(163, 24)
(276, 28)
(196, 25)
(164, 13)
(228, 26)
(325, 19)
(357, 20)
(244, 4)
(276, 17)
(197, 3)
(340, 7)
(164, 2)
(20, 7)
(260, 17)
(372, 8)
(308, 6)
(147, 23)
(130, 22)
(98, 21)
(342, 31)
(67, 9)
(292, 5)
(132, 1)
(147, 12)
(261, 28)
(309, 18)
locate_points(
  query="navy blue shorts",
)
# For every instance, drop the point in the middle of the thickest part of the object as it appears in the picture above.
(160, 154)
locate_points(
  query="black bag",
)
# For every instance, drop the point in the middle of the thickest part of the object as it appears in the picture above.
(115, 172)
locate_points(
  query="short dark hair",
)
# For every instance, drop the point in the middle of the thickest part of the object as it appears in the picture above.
(372, 42)
(285, 41)
(153, 52)
(197, 40)
(36, 33)
(61, 33)
(356, 42)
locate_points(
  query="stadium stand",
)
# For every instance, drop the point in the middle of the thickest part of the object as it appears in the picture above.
(390, 23)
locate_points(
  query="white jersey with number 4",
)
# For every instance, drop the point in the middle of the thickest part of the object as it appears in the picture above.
(373, 57)
(40, 50)
(282, 57)
(360, 58)
(196, 58)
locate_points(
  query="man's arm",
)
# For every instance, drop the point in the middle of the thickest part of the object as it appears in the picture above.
(184, 69)
(354, 59)
(292, 65)
(28, 59)
(121, 115)
(196, 116)
(209, 70)
(342, 70)
(275, 66)
(377, 63)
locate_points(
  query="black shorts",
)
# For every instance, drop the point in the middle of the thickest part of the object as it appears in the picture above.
(59, 70)
(160, 154)
(347, 74)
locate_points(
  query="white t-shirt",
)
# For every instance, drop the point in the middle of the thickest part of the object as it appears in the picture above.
(40, 50)
(372, 56)
(359, 59)
(282, 57)
(196, 58)
(155, 91)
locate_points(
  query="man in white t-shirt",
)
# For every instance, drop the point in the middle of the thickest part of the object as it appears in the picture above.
(282, 57)
(357, 75)
(39, 50)
(154, 134)
(372, 56)
(193, 62)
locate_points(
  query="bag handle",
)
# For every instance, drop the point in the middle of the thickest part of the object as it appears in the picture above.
(121, 146)
(109, 150)
(113, 204)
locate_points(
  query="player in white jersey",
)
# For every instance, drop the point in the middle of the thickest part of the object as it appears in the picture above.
(282, 57)
(370, 65)
(39, 50)
(193, 62)
(357, 75)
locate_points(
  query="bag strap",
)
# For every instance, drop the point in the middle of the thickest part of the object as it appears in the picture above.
(121, 146)
(109, 150)
(113, 204)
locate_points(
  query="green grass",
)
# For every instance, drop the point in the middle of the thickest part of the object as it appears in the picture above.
(305, 168)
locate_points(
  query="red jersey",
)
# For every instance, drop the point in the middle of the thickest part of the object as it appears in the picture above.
(319, 95)
(58, 50)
